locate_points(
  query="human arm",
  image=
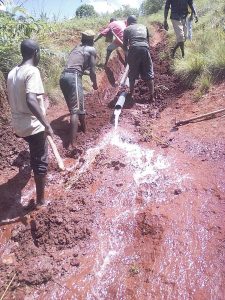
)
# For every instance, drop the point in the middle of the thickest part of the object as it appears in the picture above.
(34, 107)
(104, 32)
(148, 36)
(193, 11)
(98, 37)
(92, 68)
(166, 12)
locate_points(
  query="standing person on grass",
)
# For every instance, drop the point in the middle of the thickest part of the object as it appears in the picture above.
(114, 27)
(178, 16)
(136, 37)
(81, 62)
(25, 95)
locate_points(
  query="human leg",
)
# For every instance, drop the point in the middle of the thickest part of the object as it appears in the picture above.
(150, 84)
(109, 50)
(133, 60)
(71, 86)
(40, 188)
(182, 48)
(82, 123)
(184, 24)
(147, 72)
(180, 30)
(174, 49)
(39, 163)
(74, 121)
(131, 82)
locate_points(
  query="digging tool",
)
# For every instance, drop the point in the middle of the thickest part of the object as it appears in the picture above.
(56, 153)
(116, 36)
(198, 118)
(8, 286)
(124, 77)
(99, 98)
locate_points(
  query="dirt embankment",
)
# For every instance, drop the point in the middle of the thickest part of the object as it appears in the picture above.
(134, 216)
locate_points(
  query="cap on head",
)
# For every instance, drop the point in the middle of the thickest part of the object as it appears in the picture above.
(112, 20)
(131, 20)
(28, 48)
(88, 34)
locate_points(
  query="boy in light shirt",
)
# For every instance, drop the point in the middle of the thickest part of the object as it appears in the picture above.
(25, 95)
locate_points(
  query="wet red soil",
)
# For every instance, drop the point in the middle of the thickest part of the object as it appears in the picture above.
(137, 214)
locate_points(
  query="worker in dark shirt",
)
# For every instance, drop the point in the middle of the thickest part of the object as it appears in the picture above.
(178, 16)
(81, 62)
(137, 52)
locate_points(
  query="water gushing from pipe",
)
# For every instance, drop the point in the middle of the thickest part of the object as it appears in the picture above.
(118, 107)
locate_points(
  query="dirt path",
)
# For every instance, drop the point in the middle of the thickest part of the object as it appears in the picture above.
(139, 212)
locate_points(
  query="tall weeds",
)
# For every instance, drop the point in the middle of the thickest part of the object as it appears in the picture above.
(204, 62)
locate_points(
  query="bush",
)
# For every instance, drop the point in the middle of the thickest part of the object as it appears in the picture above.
(149, 7)
(125, 12)
(86, 10)
(12, 32)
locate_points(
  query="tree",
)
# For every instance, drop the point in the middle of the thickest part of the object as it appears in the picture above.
(86, 10)
(125, 11)
(149, 7)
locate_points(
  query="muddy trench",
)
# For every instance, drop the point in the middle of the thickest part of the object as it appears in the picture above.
(139, 211)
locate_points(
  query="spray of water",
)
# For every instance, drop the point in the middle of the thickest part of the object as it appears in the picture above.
(117, 113)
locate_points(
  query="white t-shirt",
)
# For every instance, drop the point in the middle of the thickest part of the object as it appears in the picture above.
(22, 80)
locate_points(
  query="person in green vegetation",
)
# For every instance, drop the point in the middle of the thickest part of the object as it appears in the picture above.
(81, 61)
(178, 16)
(25, 96)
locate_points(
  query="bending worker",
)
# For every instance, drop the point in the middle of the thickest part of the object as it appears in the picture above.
(116, 28)
(178, 16)
(81, 62)
(25, 94)
(136, 37)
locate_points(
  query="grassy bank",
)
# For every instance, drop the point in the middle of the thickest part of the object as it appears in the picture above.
(204, 62)
(56, 40)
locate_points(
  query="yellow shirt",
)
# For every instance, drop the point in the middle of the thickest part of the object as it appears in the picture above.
(22, 80)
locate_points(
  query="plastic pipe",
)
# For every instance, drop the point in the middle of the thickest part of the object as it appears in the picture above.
(123, 80)
(121, 100)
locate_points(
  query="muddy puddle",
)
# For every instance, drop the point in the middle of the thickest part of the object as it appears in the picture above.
(147, 242)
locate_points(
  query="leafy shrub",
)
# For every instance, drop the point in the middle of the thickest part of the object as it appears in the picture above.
(149, 7)
(86, 10)
(125, 11)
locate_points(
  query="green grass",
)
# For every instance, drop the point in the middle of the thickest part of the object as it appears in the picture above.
(204, 62)
(203, 65)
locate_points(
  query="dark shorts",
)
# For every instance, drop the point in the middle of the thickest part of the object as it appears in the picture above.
(38, 146)
(140, 63)
(71, 86)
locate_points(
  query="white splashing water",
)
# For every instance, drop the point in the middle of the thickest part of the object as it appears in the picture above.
(117, 113)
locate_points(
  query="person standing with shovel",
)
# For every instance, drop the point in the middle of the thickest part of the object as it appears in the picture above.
(25, 96)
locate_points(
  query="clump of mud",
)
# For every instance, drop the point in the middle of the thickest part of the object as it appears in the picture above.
(51, 242)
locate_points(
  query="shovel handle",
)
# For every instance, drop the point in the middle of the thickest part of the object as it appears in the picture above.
(56, 153)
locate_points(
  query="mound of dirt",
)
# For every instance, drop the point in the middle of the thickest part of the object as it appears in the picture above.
(51, 242)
